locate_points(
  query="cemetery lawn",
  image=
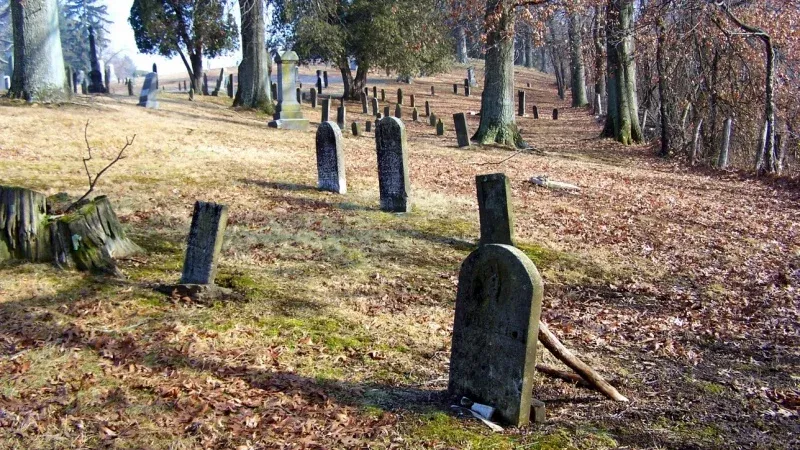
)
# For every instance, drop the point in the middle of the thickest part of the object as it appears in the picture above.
(680, 286)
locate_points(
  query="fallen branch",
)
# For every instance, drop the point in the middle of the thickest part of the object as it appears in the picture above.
(569, 377)
(551, 342)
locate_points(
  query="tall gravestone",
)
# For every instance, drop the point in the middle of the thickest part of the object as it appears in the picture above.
(326, 109)
(471, 81)
(220, 80)
(325, 78)
(230, 86)
(494, 206)
(149, 96)
(467, 91)
(330, 159)
(535, 112)
(341, 116)
(108, 80)
(364, 108)
(112, 74)
(400, 96)
(375, 91)
(313, 94)
(205, 84)
(462, 132)
(555, 113)
(130, 87)
(398, 111)
(412, 100)
(521, 103)
(385, 111)
(455, 88)
(433, 91)
(375, 106)
(415, 115)
(495, 331)
(355, 129)
(205, 241)
(427, 109)
(440, 128)
(288, 113)
(95, 75)
(395, 187)
(383, 95)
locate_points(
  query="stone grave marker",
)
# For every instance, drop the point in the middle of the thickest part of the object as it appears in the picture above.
(364, 108)
(521, 103)
(528, 84)
(466, 91)
(341, 116)
(398, 111)
(440, 128)
(535, 112)
(220, 80)
(288, 113)
(462, 132)
(495, 331)
(555, 113)
(326, 109)
(471, 77)
(354, 129)
(385, 111)
(325, 78)
(412, 100)
(390, 140)
(494, 205)
(205, 84)
(209, 221)
(230, 86)
(427, 108)
(7, 82)
(368, 126)
(433, 91)
(466, 82)
(96, 85)
(375, 107)
(130, 88)
(313, 95)
(375, 91)
(432, 119)
(330, 159)
(383, 95)
(400, 96)
(455, 88)
(319, 84)
(414, 115)
(149, 95)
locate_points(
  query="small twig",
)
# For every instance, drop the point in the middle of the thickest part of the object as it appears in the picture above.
(500, 162)
(93, 181)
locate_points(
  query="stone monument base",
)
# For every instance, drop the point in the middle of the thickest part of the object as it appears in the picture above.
(290, 124)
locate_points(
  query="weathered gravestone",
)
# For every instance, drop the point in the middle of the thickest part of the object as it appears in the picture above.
(319, 84)
(288, 114)
(412, 101)
(432, 119)
(427, 109)
(398, 111)
(375, 106)
(330, 159)
(220, 80)
(230, 86)
(149, 95)
(375, 91)
(7, 82)
(355, 129)
(155, 68)
(341, 116)
(368, 126)
(462, 132)
(555, 113)
(364, 108)
(130, 88)
(494, 205)
(414, 115)
(535, 112)
(205, 84)
(385, 111)
(95, 75)
(455, 88)
(390, 140)
(440, 128)
(325, 77)
(383, 95)
(400, 96)
(471, 80)
(521, 103)
(326, 109)
(495, 331)
(313, 92)
(466, 91)
(205, 243)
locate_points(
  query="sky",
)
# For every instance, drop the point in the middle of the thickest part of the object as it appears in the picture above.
(122, 40)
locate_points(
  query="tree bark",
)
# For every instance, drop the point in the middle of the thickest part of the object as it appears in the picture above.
(551, 342)
(461, 44)
(39, 74)
(253, 91)
(663, 102)
(497, 123)
(578, 72)
(598, 35)
(722, 161)
(196, 74)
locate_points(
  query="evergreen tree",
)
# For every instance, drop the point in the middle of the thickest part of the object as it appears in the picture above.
(76, 18)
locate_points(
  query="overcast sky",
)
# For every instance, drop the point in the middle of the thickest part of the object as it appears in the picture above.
(122, 39)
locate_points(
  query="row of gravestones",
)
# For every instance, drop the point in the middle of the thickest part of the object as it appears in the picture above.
(499, 299)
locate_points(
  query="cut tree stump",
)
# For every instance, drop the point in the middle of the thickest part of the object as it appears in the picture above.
(88, 239)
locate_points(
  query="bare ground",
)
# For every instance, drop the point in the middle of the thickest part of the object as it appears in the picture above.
(679, 285)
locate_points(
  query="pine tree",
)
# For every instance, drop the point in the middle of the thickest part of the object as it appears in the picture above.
(77, 16)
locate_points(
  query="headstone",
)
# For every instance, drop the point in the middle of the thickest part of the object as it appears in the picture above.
(205, 84)
(555, 113)
(440, 128)
(471, 77)
(130, 88)
(220, 80)
(535, 112)
(75, 82)
(313, 92)
(184, 86)
(385, 111)
(70, 78)
(330, 159)
(95, 75)
(494, 205)
(108, 80)
(398, 111)
(180, 86)
(433, 91)
(319, 84)
(7, 82)
(528, 84)
(521, 103)
(427, 109)
(355, 130)
(366, 91)
(326, 109)
(495, 331)
(274, 87)
(466, 82)
(149, 95)
(85, 86)
(155, 68)
(383, 95)
(455, 88)
(288, 114)
(102, 65)
(375, 91)
(341, 116)
(400, 96)
(412, 100)
(432, 119)
(375, 107)
(369, 126)
(325, 77)
(462, 132)
(230, 86)
(364, 108)
(466, 91)
(205, 241)
(390, 140)
(414, 115)
(319, 73)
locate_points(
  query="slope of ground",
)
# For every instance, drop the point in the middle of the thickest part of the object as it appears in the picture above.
(680, 286)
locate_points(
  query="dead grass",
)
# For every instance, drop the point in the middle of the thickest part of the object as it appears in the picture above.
(655, 274)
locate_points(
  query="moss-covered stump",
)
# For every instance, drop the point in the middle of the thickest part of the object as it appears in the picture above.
(87, 239)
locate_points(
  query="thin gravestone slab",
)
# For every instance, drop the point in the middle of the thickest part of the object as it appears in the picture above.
(462, 131)
(494, 206)
(149, 95)
(209, 221)
(393, 179)
(326, 109)
(330, 159)
(495, 331)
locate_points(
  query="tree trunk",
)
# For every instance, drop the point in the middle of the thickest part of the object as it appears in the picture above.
(598, 34)
(662, 89)
(497, 123)
(722, 161)
(578, 73)
(38, 60)
(253, 91)
(696, 144)
(528, 48)
(461, 44)
(88, 239)
(622, 121)
(197, 72)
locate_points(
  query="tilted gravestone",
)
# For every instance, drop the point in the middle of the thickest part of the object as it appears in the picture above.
(521, 103)
(555, 113)
(494, 206)
(495, 331)
(313, 92)
(390, 140)
(364, 108)
(330, 159)
(220, 80)
(398, 111)
(462, 132)
(535, 112)
(205, 243)
(440, 128)
(427, 109)
(375, 106)
(288, 114)
(355, 130)
(326, 109)
(149, 95)
(341, 116)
